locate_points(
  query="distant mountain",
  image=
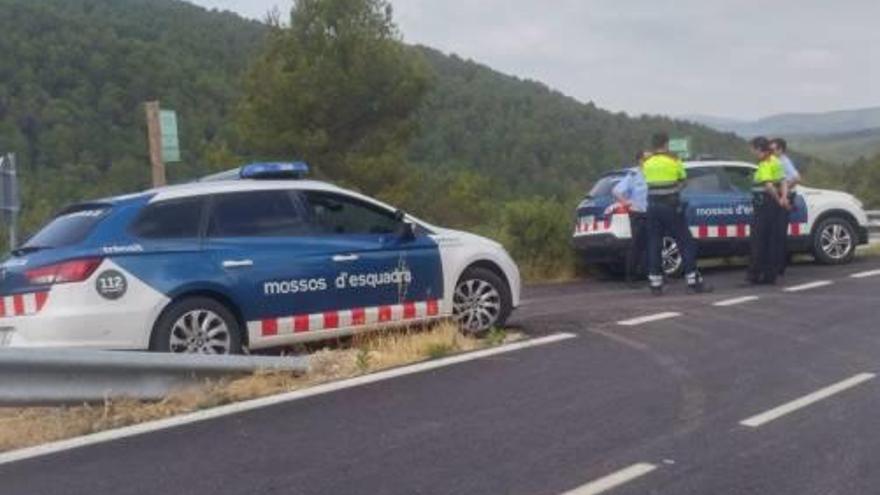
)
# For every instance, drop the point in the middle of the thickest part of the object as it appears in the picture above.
(793, 124)
(845, 147)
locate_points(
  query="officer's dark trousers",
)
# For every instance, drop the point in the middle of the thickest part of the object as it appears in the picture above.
(665, 218)
(784, 221)
(637, 256)
(766, 239)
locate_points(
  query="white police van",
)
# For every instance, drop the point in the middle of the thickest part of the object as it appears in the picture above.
(219, 266)
(826, 224)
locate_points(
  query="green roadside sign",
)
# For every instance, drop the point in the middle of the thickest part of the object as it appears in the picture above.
(681, 147)
(170, 140)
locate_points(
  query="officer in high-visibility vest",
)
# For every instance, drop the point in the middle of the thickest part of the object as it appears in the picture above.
(770, 200)
(665, 175)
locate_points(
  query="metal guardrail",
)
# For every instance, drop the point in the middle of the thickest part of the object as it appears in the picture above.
(42, 377)
(874, 224)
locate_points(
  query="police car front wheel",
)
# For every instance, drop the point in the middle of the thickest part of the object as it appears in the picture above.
(197, 325)
(834, 241)
(481, 301)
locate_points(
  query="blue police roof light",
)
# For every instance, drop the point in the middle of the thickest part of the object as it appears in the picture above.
(274, 170)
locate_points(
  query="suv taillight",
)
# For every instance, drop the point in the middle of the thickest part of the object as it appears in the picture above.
(62, 273)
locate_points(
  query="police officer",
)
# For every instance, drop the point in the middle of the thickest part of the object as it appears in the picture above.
(770, 200)
(632, 193)
(665, 175)
(792, 177)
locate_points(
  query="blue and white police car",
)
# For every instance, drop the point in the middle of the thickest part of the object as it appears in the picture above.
(219, 266)
(826, 224)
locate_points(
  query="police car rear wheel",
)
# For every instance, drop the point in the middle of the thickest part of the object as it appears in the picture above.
(834, 241)
(481, 301)
(197, 326)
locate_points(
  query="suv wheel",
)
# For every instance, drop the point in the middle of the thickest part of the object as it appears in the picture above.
(834, 241)
(197, 325)
(481, 301)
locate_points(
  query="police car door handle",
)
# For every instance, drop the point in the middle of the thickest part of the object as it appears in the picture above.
(237, 263)
(341, 258)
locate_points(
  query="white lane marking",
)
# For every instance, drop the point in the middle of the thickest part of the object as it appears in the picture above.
(613, 480)
(776, 413)
(648, 319)
(870, 273)
(735, 301)
(162, 424)
(811, 285)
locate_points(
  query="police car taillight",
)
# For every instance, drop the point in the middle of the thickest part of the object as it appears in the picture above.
(62, 273)
(274, 170)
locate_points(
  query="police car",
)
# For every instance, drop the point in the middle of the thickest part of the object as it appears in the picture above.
(826, 224)
(219, 266)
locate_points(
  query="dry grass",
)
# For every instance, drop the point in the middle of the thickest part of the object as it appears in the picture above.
(23, 427)
(872, 249)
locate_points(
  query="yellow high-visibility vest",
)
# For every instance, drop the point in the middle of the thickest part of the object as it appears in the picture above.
(663, 170)
(769, 170)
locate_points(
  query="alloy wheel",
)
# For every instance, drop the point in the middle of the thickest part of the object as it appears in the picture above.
(476, 305)
(200, 331)
(836, 241)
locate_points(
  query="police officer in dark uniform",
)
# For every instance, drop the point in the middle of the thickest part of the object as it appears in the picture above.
(665, 175)
(770, 201)
(792, 178)
(632, 194)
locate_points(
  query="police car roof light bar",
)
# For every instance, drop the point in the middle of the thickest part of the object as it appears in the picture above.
(274, 170)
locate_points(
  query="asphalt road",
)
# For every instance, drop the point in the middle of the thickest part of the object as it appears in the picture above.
(772, 394)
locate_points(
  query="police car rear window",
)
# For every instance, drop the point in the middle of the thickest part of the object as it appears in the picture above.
(604, 186)
(256, 214)
(173, 219)
(70, 227)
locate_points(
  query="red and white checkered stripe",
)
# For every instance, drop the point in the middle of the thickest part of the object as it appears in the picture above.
(738, 231)
(732, 231)
(332, 320)
(586, 225)
(797, 229)
(23, 304)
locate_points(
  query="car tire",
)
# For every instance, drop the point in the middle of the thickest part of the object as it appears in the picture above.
(197, 325)
(834, 241)
(481, 301)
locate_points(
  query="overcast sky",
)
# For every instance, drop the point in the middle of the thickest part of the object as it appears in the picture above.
(743, 58)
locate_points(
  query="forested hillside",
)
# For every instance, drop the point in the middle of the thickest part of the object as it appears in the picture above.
(74, 73)
(490, 151)
(531, 139)
(73, 78)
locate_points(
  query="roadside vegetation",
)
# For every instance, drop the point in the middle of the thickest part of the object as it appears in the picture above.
(367, 353)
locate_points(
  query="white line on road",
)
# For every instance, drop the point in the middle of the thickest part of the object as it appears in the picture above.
(130, 431)
(776, 413)
(871, 273)
(811, 285)
(613, 480)
(648, 319)
(735, 301)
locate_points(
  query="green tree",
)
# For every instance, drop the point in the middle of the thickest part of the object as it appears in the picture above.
(337, 88)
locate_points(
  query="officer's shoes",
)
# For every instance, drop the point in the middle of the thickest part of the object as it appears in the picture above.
(656, 291)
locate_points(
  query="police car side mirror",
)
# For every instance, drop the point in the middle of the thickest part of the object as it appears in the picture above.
(406, 231)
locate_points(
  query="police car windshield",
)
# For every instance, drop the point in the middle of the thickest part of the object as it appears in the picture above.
(68, 228)
(604, 186)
